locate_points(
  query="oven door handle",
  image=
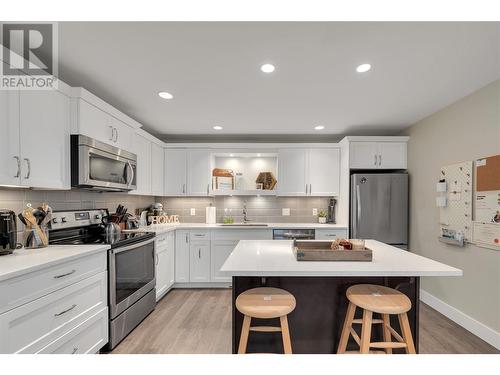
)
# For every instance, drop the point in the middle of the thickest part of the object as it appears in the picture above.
(131, 247)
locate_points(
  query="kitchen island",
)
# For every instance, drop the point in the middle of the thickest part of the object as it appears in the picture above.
(319, 288)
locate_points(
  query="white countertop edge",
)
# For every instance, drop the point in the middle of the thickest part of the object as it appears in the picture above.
(342, 274)
(19, 270)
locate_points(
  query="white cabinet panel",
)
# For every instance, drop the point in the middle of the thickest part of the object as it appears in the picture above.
(199, 173)
(292, 172)
(363, 155)
(392, 155)
(182, 256)
(161, 273)
(142, 148)
(95, 123)
(199, 262)
(170, 259)
(157, 169)
(45, 129)
(324, 171)
(175, 172)
(219, 253)
(10, 156)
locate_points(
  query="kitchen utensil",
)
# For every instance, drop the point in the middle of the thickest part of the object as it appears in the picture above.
(31, 219)
(21, 217)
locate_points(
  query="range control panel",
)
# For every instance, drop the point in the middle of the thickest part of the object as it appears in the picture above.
(70, 219)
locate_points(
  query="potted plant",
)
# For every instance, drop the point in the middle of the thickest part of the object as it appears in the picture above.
(322, 217)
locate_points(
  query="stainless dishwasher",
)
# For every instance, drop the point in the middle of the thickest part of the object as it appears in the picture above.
(294, 234)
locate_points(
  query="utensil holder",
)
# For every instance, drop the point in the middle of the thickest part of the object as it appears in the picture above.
(32, 237)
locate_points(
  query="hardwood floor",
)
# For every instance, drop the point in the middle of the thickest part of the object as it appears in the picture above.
(198, 321)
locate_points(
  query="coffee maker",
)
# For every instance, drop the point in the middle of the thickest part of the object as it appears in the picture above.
(8, 232)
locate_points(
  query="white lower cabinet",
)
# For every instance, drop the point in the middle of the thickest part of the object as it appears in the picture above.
(32, 326)
(182, 256)
(199, 262)
(165, 263)
(220, 251)
(87, 338)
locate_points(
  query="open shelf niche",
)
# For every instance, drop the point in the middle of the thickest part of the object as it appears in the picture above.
(246, 167)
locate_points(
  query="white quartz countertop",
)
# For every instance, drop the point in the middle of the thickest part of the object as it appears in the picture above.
(162, 228)
(276, 258)
(29, 260)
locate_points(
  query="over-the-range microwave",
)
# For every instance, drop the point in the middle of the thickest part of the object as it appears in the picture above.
(98, 166)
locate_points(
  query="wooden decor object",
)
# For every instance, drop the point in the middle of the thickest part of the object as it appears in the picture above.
(384, 301)
(267, 180)
(265, 303)
(313, 250)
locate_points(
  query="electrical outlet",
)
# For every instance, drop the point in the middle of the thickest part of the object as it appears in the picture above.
(285, 212)
(315, 212)
(193, 211)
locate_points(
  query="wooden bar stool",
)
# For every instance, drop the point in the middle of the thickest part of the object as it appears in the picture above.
(384, 301)
(265, 303)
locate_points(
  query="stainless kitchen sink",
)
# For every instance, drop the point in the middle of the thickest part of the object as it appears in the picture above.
(244, 225)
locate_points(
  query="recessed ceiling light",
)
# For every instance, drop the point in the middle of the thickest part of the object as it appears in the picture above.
(231, 155)
(267, 68)
(363, 68)
(319, 127)
(217, 127)
(165, 95)
(259, 155)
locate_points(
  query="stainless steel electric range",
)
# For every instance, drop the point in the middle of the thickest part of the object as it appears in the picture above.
(131, 266)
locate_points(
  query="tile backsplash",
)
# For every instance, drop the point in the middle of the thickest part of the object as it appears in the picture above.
(16, 200)
(264, 209)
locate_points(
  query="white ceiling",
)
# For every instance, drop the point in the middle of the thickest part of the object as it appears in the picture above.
(212, 69)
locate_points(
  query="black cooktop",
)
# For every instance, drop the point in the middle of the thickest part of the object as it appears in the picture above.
(95, 235)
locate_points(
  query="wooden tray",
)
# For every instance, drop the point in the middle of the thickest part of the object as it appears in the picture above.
(311, 250)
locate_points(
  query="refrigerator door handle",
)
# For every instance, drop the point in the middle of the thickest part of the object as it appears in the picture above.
(358, 205)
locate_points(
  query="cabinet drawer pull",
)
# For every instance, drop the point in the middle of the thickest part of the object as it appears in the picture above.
(331, 235)
(74, 350)
(64, 274)
(66, 311)
(199, 235)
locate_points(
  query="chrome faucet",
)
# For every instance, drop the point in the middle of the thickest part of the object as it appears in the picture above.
(245, 218)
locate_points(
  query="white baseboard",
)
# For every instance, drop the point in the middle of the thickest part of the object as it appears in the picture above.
(482, 331)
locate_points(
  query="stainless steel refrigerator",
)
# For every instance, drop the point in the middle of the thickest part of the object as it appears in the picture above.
(379, 207)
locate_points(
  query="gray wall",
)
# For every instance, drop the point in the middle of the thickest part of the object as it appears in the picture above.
(466, 130)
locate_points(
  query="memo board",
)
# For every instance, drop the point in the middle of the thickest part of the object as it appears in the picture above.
(457, 214)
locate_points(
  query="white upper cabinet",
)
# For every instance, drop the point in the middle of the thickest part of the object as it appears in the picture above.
(199, 172)
(392, 155)
(292, 179)
(309, 172)
(45, 136)
(100, 125)
(175, 172)
(142, 148)
(377, 154)
(34, 141)
(157, 169)
(10, 156)
(324, 172)
(363, 155)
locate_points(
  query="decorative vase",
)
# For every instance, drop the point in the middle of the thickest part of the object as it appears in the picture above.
(322, 220)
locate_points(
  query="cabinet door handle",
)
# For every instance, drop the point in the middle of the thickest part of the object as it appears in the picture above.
(183, 188)
(64, 274)
(375, 161)
(28, 163)
(199, 253)
(380, 160)
(116, 135)
(74, 350)
(208, 189)
(186, 238)
(66, 311)
(310, 189)
(306, 189)
(112, 133)
(18, 160)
